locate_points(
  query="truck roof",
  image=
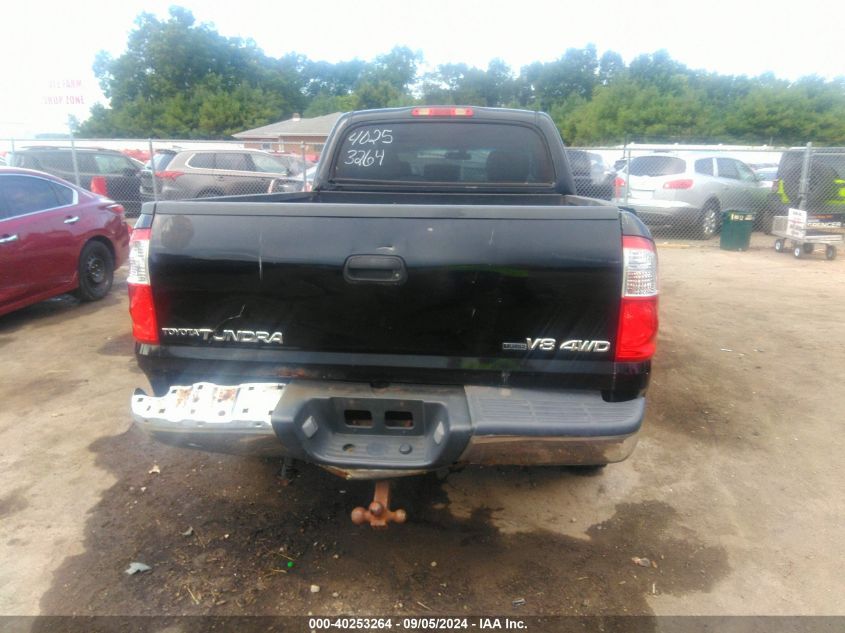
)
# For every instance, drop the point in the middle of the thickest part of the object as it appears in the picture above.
(442, 112)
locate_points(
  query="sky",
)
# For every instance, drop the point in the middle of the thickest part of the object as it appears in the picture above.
(48, 47)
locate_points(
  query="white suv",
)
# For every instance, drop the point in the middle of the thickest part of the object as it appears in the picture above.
(686, 188)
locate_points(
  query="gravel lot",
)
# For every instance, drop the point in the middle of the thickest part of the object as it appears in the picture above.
(734, 493)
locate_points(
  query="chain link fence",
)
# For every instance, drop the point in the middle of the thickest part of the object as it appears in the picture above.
(132, 172)
(680, 191)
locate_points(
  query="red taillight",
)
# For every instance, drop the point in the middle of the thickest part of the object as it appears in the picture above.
(142, 311)
(637, 329)
(618, 187)
(683, 183)
(440, 111)
(141, 304)
(117, 209)
(169, 175)
(637, 333)
(99, 186)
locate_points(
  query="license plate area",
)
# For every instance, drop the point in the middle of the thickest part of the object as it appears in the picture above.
(375, 416)
(358, 425)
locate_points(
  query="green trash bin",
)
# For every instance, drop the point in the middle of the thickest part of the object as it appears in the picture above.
(736, 230)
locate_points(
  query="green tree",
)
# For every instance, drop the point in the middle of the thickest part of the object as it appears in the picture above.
(182, 79)
(574, 74)
(338, 80)
(179, 78)
(327, 104)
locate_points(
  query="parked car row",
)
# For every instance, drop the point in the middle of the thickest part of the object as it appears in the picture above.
(117, 174)
(179, 173)
(56, 237)
(207, 173)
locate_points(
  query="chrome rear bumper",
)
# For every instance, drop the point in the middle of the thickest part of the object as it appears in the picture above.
(218, 418)
(456, 425)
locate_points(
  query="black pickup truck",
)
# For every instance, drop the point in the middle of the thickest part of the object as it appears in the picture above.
(442, 296)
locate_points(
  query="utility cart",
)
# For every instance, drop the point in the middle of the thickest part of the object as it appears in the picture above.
(801, 232)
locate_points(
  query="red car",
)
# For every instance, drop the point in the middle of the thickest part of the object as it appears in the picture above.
(56, 238)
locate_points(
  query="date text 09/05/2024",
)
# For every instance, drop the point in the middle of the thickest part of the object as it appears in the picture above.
(416, 624)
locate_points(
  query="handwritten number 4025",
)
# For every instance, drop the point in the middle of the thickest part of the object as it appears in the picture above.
(371, 137)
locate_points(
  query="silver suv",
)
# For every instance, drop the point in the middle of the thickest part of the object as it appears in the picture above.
(203, 173)
(689, 189)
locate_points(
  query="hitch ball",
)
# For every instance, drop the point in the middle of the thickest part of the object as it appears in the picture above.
(379, 514)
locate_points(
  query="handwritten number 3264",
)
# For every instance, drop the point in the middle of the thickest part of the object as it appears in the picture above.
(364, 157)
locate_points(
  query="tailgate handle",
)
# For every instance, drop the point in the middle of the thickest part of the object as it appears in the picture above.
(375, 269)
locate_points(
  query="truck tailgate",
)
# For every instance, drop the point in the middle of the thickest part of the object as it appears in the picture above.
(502, 290)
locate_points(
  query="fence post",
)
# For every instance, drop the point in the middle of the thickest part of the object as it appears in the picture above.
(627, 171)
(73, 158)
(153, 169)
(304, 176)
(804, 183)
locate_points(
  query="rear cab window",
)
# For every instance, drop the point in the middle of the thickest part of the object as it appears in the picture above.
(450, 152)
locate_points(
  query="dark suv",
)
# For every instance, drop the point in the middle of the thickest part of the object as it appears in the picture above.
(121, 173)
(592, 177)
(825, 182)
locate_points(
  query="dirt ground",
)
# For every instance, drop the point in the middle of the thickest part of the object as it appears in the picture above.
(734, 492)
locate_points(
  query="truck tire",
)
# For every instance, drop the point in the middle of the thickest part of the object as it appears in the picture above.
(96, 271)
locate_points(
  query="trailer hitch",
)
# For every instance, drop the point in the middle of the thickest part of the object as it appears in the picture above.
(379, 514)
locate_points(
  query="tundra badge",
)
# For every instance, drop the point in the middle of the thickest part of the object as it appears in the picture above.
(226, 336)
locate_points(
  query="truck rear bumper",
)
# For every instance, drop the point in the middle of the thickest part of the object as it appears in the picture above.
(359, 431)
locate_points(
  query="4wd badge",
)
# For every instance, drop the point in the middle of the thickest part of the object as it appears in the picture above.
(550, 344)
